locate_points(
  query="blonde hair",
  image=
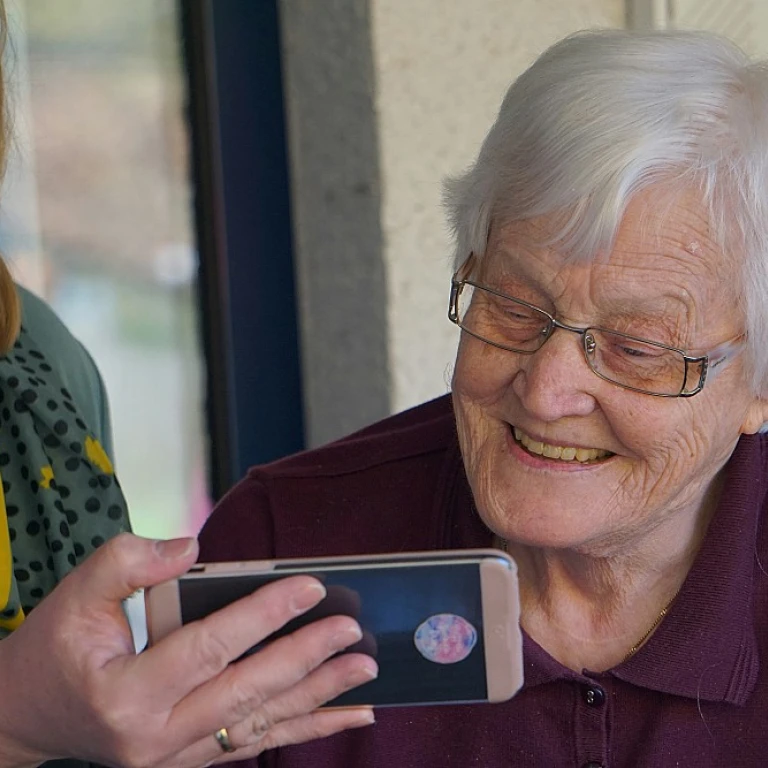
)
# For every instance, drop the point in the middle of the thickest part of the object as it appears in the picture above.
(601, 116)
(10, 306)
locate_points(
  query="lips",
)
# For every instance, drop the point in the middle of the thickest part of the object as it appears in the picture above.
(559, 452)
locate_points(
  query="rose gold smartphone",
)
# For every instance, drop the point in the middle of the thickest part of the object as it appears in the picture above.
(442, 626)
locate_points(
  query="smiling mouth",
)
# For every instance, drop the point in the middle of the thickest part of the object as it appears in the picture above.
(559, 452)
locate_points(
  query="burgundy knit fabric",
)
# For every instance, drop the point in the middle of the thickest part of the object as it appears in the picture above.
(694, 696)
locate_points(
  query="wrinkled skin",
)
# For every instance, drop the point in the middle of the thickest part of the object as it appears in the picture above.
(631, 524)
(73, 686)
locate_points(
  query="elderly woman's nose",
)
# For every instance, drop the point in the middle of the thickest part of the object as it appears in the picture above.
(556, 381)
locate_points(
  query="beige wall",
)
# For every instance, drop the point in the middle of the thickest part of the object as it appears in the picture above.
(743, 21)
(384, 99)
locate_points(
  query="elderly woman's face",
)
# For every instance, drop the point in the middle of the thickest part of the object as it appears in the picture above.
(652, 458)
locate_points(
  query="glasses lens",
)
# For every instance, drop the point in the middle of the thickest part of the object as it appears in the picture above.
(638, 364)
(501, 321)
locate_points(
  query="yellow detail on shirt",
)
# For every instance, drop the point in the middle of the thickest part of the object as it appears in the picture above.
(47, 475)
(98, 456)
(6, 567)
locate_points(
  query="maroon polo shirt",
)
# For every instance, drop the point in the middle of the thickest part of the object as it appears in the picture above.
(694, 696)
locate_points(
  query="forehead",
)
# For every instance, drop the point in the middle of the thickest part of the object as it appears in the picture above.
(664, 246)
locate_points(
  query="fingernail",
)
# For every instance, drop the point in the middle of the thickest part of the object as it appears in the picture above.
(173, 549)
(361, 675)
(307, 597)
(346, 637)
(366, 718)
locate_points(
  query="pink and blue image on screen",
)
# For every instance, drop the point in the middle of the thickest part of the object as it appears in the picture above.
(445, 638)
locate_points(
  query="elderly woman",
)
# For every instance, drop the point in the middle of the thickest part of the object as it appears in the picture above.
(611, 284)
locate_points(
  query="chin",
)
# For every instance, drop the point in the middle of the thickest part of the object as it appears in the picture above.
(546, 533)
(562, 512)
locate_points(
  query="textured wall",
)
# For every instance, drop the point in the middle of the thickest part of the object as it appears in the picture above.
(386, 97)
(743, 21)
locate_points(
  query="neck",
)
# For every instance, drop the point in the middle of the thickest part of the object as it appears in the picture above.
(589, 608)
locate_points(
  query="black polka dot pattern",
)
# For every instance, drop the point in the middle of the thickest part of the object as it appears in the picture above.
(61, 499)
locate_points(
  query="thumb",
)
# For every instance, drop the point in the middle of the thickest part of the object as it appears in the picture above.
(128, 562)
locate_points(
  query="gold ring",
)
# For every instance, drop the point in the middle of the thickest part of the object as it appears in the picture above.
(222, 736)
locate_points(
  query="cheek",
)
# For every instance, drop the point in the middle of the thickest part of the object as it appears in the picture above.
(655, 432)
(478, 387)
(482, 373)
(675, 444)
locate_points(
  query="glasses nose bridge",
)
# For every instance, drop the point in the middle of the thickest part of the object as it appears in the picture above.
(554, 324)
(587, 340)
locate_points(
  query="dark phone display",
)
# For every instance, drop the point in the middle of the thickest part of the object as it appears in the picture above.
(390, 604)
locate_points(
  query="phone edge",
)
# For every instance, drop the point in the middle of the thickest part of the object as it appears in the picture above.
(162, 609)
(503, 641)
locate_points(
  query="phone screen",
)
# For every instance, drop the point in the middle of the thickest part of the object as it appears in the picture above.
(422, 623)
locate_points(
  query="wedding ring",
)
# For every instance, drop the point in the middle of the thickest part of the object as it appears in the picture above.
(222, 736)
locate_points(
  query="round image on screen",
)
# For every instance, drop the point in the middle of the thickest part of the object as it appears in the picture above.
(445, 638)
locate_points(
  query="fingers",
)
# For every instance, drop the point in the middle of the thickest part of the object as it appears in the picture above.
(200, 651)
(316, 725)
(127, 563)
(182, 690)
(271, 684)
(247, 689)
(292, 717)
(324, 684)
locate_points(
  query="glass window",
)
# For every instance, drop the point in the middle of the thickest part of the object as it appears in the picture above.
(96, 218)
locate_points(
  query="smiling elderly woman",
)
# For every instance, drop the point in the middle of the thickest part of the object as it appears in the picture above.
(612, 288)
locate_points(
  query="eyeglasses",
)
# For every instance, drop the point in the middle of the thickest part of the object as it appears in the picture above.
(629, 361)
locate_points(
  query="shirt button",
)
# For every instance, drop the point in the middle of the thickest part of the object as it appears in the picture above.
(594, 695)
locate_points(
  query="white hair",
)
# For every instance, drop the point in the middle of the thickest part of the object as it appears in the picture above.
(602, 115)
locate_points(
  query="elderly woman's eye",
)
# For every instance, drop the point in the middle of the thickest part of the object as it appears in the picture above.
(638, 351)
(631, 351)
(516, 312)
(519, 315)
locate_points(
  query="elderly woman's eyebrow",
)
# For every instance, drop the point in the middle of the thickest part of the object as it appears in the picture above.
(510, 265)
(510, 274)
(659, 306)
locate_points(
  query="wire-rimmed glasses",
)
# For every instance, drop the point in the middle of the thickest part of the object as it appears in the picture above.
(631, 362)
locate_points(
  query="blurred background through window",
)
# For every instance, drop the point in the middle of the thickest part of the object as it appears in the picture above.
(96, 218)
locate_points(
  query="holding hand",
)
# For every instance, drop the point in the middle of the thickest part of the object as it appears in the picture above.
(75, 688)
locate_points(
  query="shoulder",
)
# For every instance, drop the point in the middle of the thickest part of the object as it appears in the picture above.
(71, 361)
(419, 431)
(374, 490)
(53, 337)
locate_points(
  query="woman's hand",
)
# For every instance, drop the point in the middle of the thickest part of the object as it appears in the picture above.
(73, 686)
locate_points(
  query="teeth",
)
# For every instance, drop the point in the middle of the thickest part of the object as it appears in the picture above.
(581, 455)
(552, 451)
